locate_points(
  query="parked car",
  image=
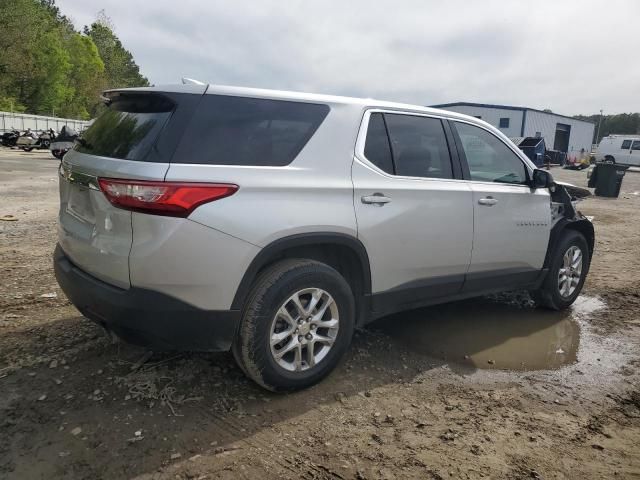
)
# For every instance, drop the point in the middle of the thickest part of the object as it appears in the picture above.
(622, 149)
(273, 223)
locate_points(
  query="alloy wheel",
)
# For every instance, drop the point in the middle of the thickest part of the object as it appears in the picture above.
(304, 329)
(570, 271)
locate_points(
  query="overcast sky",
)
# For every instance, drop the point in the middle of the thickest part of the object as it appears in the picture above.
(573, 56)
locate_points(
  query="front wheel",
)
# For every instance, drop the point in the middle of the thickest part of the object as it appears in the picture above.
(567, 273)
(296, 325)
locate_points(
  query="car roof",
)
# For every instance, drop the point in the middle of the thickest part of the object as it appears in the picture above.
(296, 96)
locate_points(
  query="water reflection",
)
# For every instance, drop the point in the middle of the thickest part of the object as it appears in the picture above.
(484, 333)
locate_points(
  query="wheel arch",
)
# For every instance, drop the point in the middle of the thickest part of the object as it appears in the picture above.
(343, 252)
(581, 225)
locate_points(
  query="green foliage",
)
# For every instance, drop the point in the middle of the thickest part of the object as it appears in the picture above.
(9, 104)
(46, 67)
(120, 68)
(623, 123)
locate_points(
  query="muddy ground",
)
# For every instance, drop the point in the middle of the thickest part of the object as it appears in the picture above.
(484, 388)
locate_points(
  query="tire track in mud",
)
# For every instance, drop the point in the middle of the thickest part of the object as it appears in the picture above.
(236, 434)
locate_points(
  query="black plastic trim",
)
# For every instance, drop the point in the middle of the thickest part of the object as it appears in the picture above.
(423, 293)
(509, 277)
(581, 225)
(145, 317)
(272, 251)
(453, 151)
(462, 158)
(412, 294)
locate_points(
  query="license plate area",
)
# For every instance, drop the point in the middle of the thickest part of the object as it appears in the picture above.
(79, 204)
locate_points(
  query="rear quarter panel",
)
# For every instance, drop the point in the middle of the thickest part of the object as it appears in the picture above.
(312, 194)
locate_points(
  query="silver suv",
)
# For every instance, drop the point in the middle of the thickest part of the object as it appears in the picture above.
(273, 223)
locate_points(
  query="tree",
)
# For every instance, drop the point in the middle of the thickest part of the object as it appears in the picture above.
(120, 68)
(623, 123)
(85, 79)
(47, 67)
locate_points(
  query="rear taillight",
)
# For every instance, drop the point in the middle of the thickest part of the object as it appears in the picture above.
(174, 199)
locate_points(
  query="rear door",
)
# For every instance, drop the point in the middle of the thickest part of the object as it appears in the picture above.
(414, 218)
(511, 220)
(126, 142)
(634, 153)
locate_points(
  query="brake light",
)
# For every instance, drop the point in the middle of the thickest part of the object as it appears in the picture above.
(173, 199)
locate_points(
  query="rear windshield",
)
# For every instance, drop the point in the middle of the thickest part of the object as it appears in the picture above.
(128, 128)
(228, 130)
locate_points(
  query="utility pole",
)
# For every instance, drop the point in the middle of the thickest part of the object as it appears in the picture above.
(598, 132)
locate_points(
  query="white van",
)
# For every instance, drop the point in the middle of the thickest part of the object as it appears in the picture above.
(623, 149)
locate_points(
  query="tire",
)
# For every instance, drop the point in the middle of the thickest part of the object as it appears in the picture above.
(550, 295)
(272, 293)
(609, 159)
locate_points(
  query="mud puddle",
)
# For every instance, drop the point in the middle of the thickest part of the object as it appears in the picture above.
(486, 334)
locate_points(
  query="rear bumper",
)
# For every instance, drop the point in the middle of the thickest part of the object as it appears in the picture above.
(145, 317)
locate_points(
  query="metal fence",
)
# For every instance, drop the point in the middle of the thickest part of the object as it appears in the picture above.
(22, 121)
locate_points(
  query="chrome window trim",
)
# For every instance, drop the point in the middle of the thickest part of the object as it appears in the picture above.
(362, 139)
(518, 153)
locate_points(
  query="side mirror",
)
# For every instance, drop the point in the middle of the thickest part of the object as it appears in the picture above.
(542, 179)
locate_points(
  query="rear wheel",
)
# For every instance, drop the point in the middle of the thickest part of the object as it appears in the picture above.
(297, 324)
(567, 273)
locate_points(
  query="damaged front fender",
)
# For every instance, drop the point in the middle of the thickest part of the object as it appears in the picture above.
(564, 198)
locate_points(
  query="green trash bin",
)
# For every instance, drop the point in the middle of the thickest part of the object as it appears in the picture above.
(606, 178)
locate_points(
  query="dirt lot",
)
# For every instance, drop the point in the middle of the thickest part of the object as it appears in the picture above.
(483, 388)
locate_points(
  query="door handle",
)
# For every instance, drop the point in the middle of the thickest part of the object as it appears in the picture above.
(488, 201)
(375, 199)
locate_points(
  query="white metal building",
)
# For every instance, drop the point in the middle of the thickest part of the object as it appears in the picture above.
(560, 132)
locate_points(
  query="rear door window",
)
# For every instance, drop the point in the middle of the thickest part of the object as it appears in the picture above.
(128, 128)
(419, 146)
(636, 145)
(227, 130)
(377, 148)
(626, 144)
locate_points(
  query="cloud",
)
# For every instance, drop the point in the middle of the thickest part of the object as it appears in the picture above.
(571, 56)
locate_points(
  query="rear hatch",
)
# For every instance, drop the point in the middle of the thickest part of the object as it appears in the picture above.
(133, 138)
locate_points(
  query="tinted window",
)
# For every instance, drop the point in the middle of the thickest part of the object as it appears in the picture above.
(636, 145)
(419, 146)
(626, 145)
(489, 159)
(248, 131)
(128, 128)
(377, 149)
(504, 123)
